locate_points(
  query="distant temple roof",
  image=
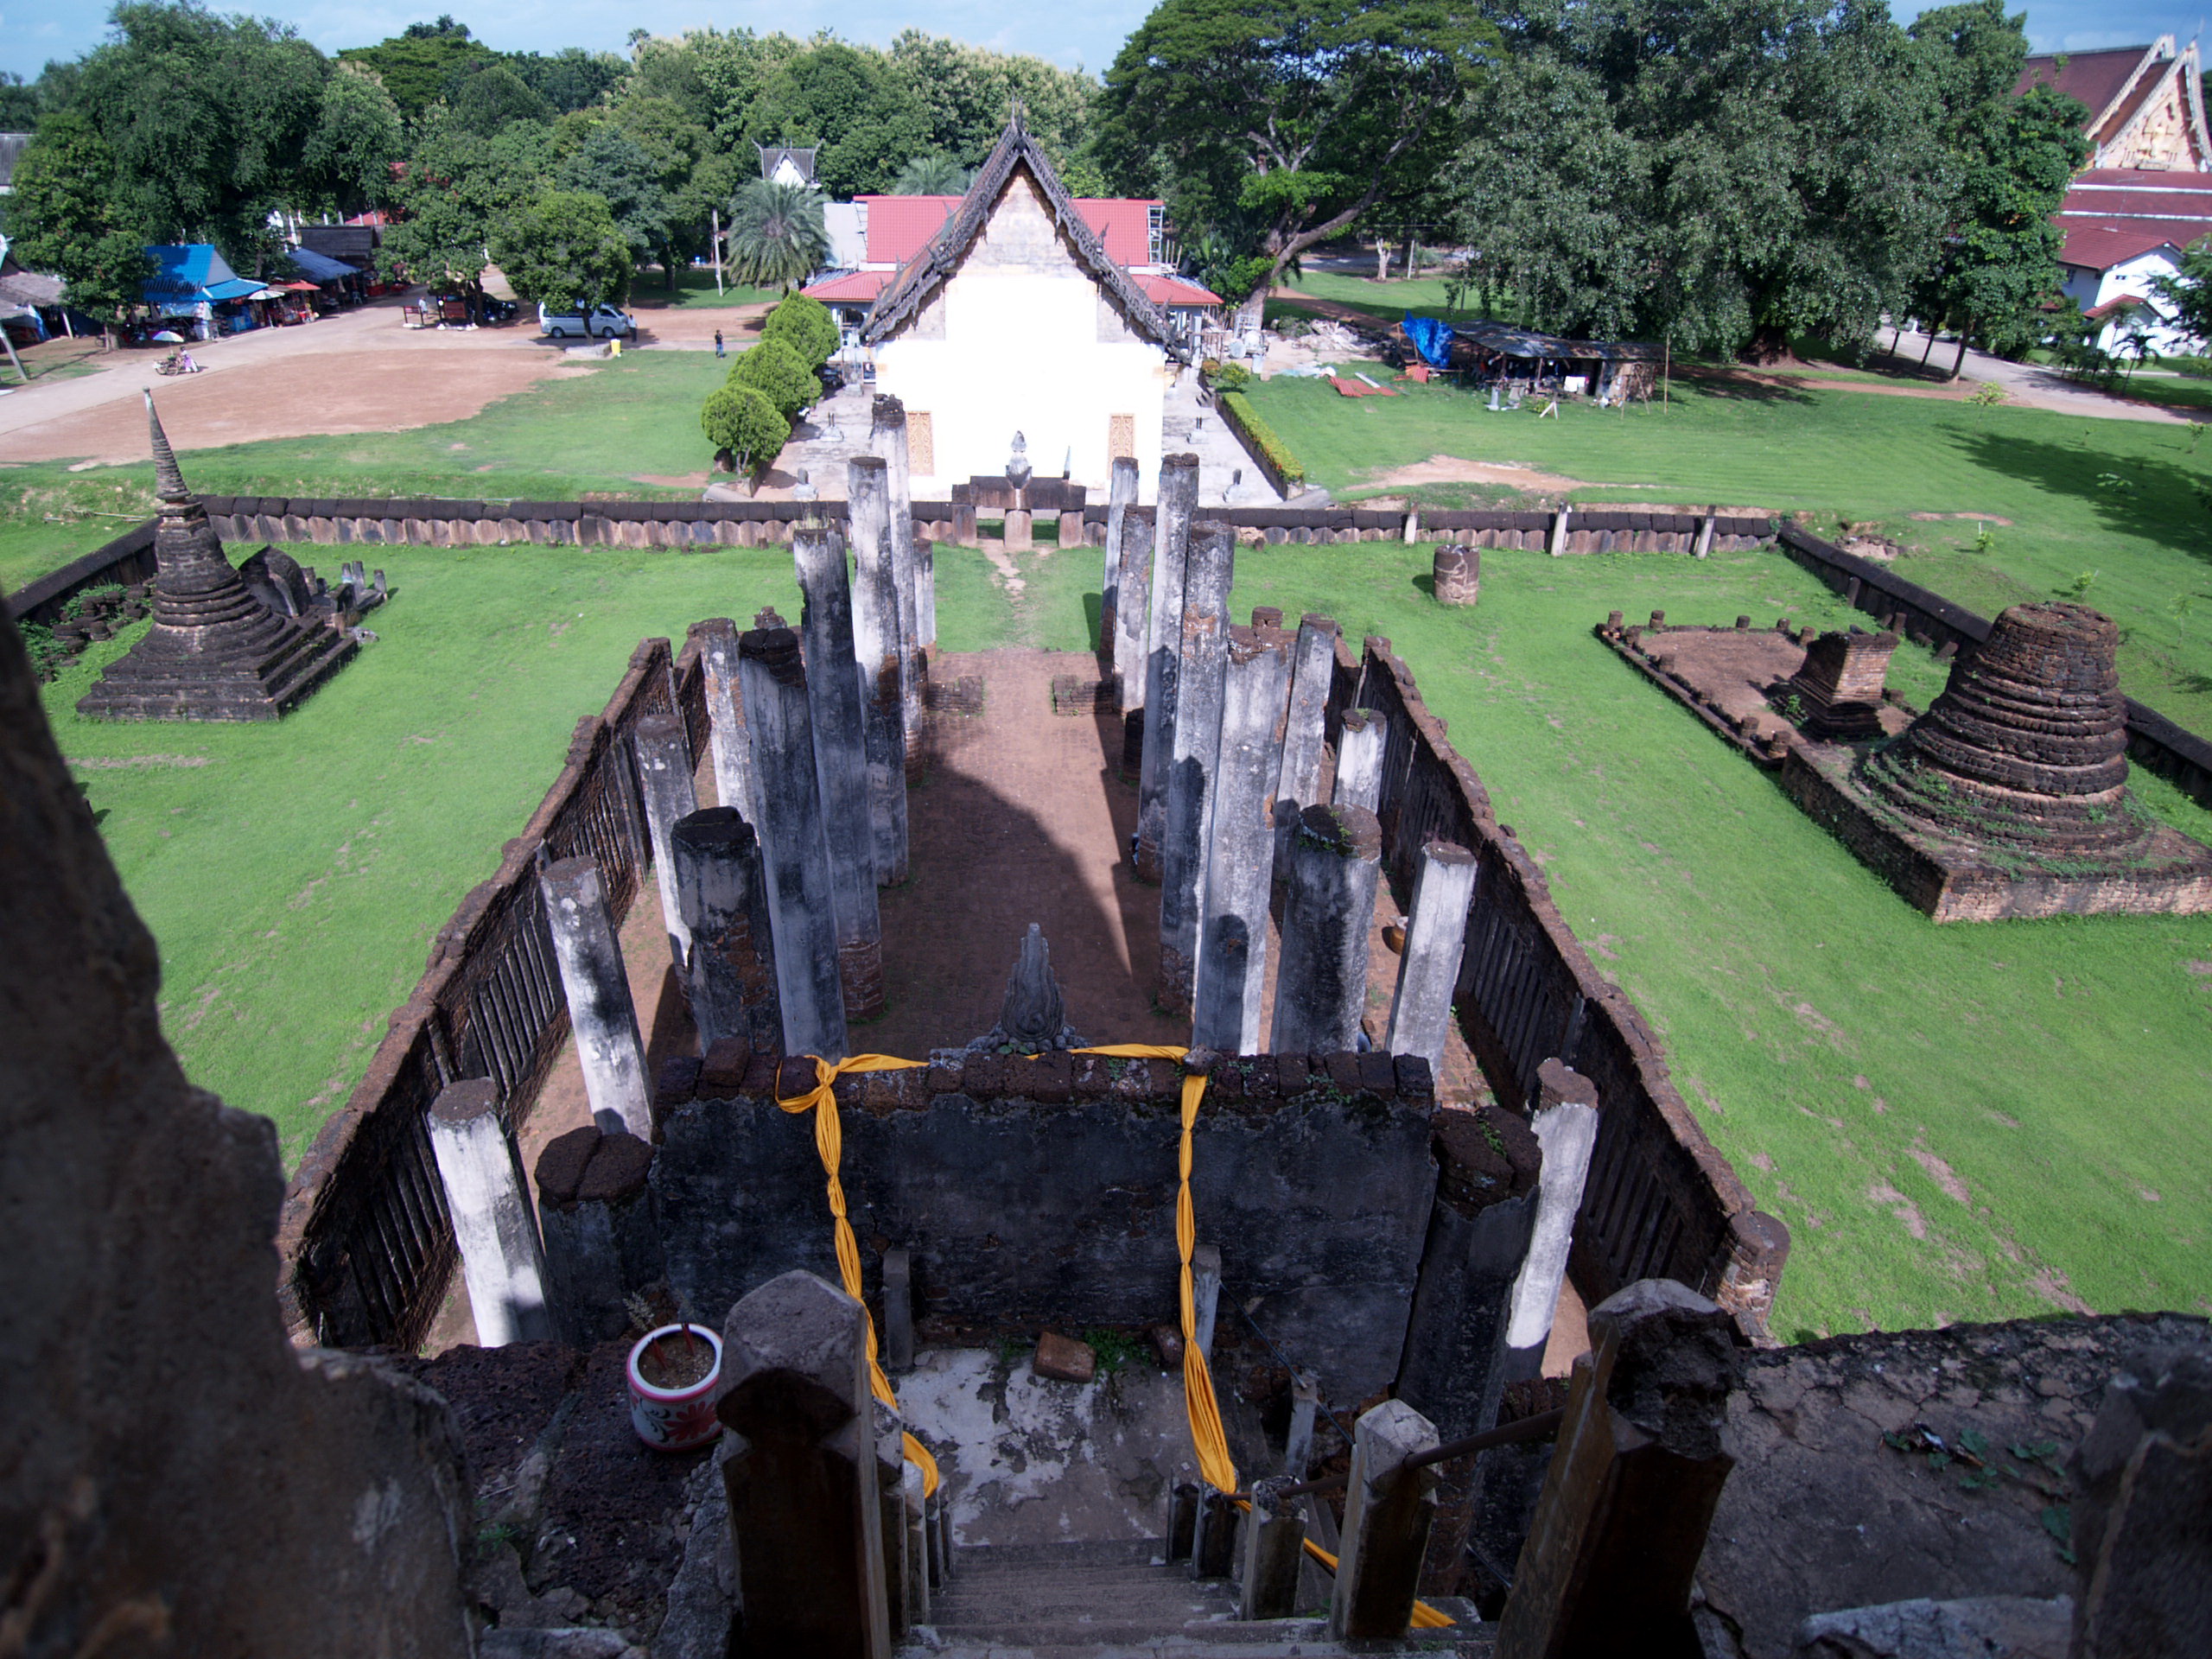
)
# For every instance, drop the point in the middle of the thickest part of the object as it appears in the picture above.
(796, 159)
(2146, 102)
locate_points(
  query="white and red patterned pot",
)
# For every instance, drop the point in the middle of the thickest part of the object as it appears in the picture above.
(676, 1420)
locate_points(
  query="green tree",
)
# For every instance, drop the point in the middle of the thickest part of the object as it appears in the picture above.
(613, 167)
(562, 249)
(965, 92)
(19, 104)
(1725, 173)
(1302, 115)
(456, 188)
(63, 219)
(348, 160)
(571, 79)
(776, 233)
(865, 120)
(776, 372)
(741, 423)
(805, 326)
(931, 176)
(484, 98)
(417, 65)
(2012, 159)
(2186, 295)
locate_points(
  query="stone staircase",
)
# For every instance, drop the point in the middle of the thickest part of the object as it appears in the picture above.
(1107, 1599)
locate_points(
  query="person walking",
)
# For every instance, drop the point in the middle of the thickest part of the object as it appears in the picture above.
(718, 342)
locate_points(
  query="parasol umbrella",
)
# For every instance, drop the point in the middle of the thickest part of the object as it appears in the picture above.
(169, 336)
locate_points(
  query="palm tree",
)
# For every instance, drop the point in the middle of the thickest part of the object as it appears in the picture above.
(775, 235)
(931, 176)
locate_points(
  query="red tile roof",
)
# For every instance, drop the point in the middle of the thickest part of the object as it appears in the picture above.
(854, 288)
(2145, 178)
(899, 227)
(1174, 290)
(2096, 77)
(2117, 302)
(1123, 224)
(2100, 247)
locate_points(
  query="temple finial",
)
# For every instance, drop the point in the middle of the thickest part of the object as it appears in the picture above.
(168, 482)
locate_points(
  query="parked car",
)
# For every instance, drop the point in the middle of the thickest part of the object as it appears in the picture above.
(600, 322)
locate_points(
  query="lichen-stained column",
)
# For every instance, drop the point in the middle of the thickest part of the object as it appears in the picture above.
(1305, 727)
(665, 781)
(1170, 550)
(1336, 856)
(1187, 799)
(833, 687)
(792, 843)
(887, 438)
(500, 1259)
(1359, 759)
(726, 740)
(1133, 591)
(1436, 938)
(723, 886)
(1231, 1005)
(1120, 496)
(880, 650)
(602, 1017)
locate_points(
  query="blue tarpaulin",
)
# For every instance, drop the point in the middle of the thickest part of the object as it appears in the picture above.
(1432, 339)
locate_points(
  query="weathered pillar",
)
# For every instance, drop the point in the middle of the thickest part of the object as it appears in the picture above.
(882, 652)
(1182, 1521)
(726, 738)
(1019, 538)
(1206, 1294)
(1274, 1551)
(891, 1504)
(887, 438)
(833, 687)
(500, 1260)
(1213, 1550)
(793, 845)
(915, 1501)
(897, 1310)
(1120, 496)
(1388, 1510)
(926, 598)
(1321, 983)
(601, 1232)
(1565, 1125)
(1186, 828)
(1171, 551)
(1632, 1484)
(602, 1017)
(1298, 1444)
(1132, 548)
(722, 885)
(1428, 968)
(1359, 760)
(800, 1472)
(1457, 574)
(1558, 545)
(1304, 728)
(1230, 1007)
(1705, 527)
(664, 758)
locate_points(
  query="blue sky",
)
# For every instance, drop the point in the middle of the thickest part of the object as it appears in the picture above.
(31, 31)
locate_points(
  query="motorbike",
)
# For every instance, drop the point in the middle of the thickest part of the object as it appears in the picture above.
(177, 362)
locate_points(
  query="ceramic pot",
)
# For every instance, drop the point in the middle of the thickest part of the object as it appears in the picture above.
(676, 1420)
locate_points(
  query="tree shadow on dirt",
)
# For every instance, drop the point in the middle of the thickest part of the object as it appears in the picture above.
(2159, 500)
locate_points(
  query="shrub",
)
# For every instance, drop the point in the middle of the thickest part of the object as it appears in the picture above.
(742, 420)
(774, 368)
(1228, 377)
(1274, 454)
(805, 326)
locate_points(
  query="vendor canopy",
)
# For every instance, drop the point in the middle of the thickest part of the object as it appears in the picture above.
(187, 273)
(1527, 344)
(319, 268)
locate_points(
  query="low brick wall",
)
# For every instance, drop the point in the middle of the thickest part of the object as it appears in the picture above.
(1042, 1192)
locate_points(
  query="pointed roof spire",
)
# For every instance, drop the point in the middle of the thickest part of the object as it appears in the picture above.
(168, 482)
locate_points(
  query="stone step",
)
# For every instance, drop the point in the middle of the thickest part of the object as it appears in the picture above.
(1287, 1639)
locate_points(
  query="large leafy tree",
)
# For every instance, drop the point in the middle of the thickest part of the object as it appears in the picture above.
(65, 221)
(931, 176)
(776, 233)
(487, 96)
(1723, 172)
(865, 121)
(571, 79)
(416, 65)
(348, 160)
(611, 165)
(966, 91)
(455, 188)
(1282, 122)
(563, 249)
(2012, 159)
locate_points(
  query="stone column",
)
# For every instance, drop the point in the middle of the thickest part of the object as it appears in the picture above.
(665, 783)
(722, 885)
(1632, 1484)
(1565, 1125)
(915, 1501)
(793, 844)
(1274, 1551)
(897, 1310)
(1120, 496)
(926, 598)
(1436, 936)
(602, 1017)
(1231, 1006)
(601, 1231)
(500, 1260)
(726, 738)
(1321, 983)
(881, 650)
(1359, 760)
(833, 687)
(887, 439)
(1305, 728)
(1171, 551)
(1186, 829)
(1206, 1294)
(891, 1506)
(1457, 574)
(1213, 1548)
(1298, 1444)
(1388, 1510)
(800, 1471)
(1131, 613)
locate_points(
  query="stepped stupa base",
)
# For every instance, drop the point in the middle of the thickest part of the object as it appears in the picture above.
(2158, 872)
(253, 685)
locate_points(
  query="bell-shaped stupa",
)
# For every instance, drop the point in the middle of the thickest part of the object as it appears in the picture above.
(216, 650)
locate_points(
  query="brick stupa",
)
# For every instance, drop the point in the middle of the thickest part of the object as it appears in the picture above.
(216, 651)
(2009, 797)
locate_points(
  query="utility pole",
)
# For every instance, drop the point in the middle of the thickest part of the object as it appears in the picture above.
(717, 239)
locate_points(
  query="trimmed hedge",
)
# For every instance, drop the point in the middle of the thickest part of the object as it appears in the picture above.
(1286, 472)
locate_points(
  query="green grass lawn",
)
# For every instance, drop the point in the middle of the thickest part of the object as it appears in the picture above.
(694, 291)
(2120, 499)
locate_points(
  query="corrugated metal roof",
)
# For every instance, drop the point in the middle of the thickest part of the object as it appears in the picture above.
(2100, 247)
(853, 287)
(183, 268)
(1175, 290)
(2096, 77)
(318, 268)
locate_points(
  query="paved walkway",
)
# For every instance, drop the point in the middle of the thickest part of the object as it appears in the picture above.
(2038, 387)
